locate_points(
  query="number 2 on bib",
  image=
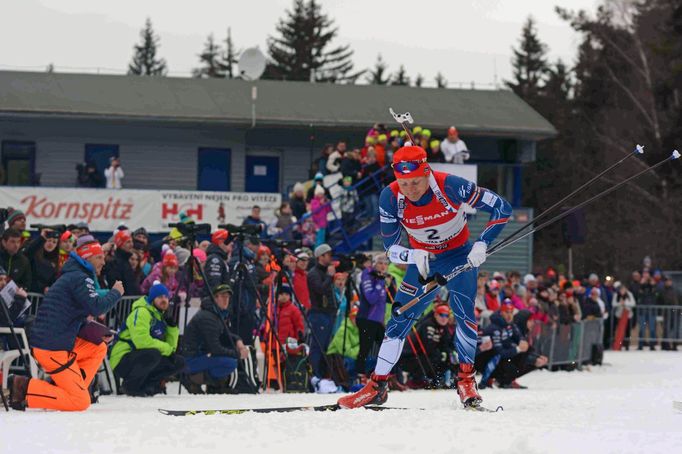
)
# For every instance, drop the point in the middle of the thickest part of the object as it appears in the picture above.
(433, 234)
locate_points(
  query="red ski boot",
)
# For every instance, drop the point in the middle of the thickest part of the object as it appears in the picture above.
(375, 392)
(466, 386)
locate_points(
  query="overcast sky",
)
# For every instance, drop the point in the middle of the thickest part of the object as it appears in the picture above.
(465, 40)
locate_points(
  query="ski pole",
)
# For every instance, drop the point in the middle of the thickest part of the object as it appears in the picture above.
(426, 356)
(675, 155)
(403, 119)
(406, 118)
(416, 356)
(439, 280)
(639, 149)
(416, 334)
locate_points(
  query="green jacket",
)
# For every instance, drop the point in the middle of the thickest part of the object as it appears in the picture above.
(398, 276)
(144, 317)
(397, 273)
(352, 340)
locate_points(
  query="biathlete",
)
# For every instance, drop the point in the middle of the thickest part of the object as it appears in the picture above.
(431, 207)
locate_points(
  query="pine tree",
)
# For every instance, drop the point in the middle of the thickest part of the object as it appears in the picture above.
(144, 61)
(302, 49)
(378, 75)
(210, 60)
(441, 82)
(419, 81)
(529, 63)
(559, 83)
(400, 77)
(230, 57)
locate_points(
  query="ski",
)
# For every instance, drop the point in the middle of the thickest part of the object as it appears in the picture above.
(482, 409)
(239, 411)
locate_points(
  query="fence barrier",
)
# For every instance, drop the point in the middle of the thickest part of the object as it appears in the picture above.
(562, 344)
(652, 324)
(568, 344)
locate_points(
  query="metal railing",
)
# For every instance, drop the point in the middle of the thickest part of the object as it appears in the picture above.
(336, 229)
(568, 344)
(652, 325)
(113, 319)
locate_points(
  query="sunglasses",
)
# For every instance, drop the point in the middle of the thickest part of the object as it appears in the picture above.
(407, 166)
(444, 315)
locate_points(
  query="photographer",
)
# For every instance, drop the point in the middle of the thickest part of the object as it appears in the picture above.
(217, 255)
(323, 308)
(71, 361)
(12, 260)
(255, 220)
(88, 176)
(114, 174)
(44, 256)
(243, 314)
(212, 351)
(144, 356)
(372, 312)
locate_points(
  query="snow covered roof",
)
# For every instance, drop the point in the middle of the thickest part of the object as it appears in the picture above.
(486, 112)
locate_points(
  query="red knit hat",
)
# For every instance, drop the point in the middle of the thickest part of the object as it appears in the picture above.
(410, 162)
(67, 236)
(89, 250)
(169, 259)
(219, 236)
(121, 237)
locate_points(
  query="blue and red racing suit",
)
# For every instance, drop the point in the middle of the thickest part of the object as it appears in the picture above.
(437, 223)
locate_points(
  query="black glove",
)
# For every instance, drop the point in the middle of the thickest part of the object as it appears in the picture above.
(170, 319)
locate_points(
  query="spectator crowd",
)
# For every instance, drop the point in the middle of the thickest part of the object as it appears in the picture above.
(317, 318)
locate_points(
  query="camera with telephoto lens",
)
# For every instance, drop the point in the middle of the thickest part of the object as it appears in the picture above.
(377, 275)
(249, 229)
(348, 262)
(55, 231)
(191, 229)
(284, 244)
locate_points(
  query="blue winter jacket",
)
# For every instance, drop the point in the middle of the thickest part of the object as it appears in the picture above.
(505, 336)
(67, 304)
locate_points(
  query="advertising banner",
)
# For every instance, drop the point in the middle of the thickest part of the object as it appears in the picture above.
(106, 209)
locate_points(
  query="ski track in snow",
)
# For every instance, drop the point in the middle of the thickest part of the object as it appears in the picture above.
(624, 406)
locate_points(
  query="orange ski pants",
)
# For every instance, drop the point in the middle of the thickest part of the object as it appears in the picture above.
(72, 373)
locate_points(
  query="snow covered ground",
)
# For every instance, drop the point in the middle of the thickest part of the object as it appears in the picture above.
(624, 406)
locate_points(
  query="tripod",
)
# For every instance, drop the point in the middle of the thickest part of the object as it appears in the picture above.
(243, 283)
(284, 273)
(195, 265)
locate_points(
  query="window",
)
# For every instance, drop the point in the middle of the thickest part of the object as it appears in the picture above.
(100, 155)
(213, 169)
(18, 163)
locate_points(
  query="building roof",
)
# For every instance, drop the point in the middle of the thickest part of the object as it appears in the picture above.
(498, 112)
